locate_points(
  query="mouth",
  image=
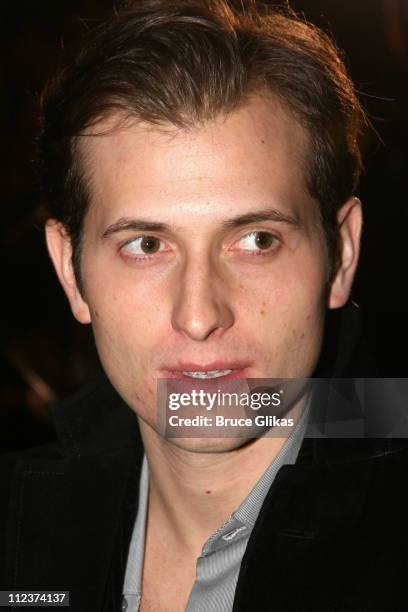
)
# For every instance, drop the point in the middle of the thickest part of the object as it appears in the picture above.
(210, 372)
(202, 374)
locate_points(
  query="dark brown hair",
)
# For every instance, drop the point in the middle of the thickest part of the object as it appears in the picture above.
(183, 62)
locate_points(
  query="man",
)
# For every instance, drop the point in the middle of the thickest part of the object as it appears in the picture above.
(200, 163)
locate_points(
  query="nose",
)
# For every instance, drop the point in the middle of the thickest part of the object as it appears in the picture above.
(201, 306)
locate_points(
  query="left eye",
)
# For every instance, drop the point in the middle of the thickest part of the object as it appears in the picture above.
(144, 245)
(257, 241)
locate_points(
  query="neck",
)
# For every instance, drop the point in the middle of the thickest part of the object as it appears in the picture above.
(191, 493)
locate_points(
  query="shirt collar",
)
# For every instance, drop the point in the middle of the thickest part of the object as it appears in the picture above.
(240, 523)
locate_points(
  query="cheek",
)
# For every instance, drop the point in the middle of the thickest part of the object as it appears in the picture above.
(287, 315)
(279, 298)
(124, 340)
(124, 302)
(125, 326)
(129, 334)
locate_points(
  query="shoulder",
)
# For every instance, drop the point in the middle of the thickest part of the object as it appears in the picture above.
(52, 451)
(92, 419)
(62, 408)
(80, 423)
(96, 449)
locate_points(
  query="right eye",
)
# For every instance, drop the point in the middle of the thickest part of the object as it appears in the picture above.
(143, 246)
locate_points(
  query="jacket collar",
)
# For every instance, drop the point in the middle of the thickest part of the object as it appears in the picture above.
(96, 420)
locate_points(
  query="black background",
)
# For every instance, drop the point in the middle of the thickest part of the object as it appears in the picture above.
(44, 353)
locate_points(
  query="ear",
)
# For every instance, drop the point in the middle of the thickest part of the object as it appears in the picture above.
(60, 250)
(350, 219)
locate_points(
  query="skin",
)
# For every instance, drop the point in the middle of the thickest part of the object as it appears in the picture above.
(208, 293)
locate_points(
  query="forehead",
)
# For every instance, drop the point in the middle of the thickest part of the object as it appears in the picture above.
(254, 156)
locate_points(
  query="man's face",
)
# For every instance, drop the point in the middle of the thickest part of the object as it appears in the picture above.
(202, 250)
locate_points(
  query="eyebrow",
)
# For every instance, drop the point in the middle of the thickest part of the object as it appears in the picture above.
(141, 225)
(269, 214)
(136, 225)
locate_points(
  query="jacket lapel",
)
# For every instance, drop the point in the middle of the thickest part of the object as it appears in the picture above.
(73, 515)
(300, 552)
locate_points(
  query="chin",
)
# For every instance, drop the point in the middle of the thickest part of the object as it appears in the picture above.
(208, 445)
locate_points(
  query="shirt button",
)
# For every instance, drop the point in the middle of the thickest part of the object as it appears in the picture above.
(231, 535)
(124, 604)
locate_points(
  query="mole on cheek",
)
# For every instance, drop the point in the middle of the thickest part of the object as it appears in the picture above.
(207, 492)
